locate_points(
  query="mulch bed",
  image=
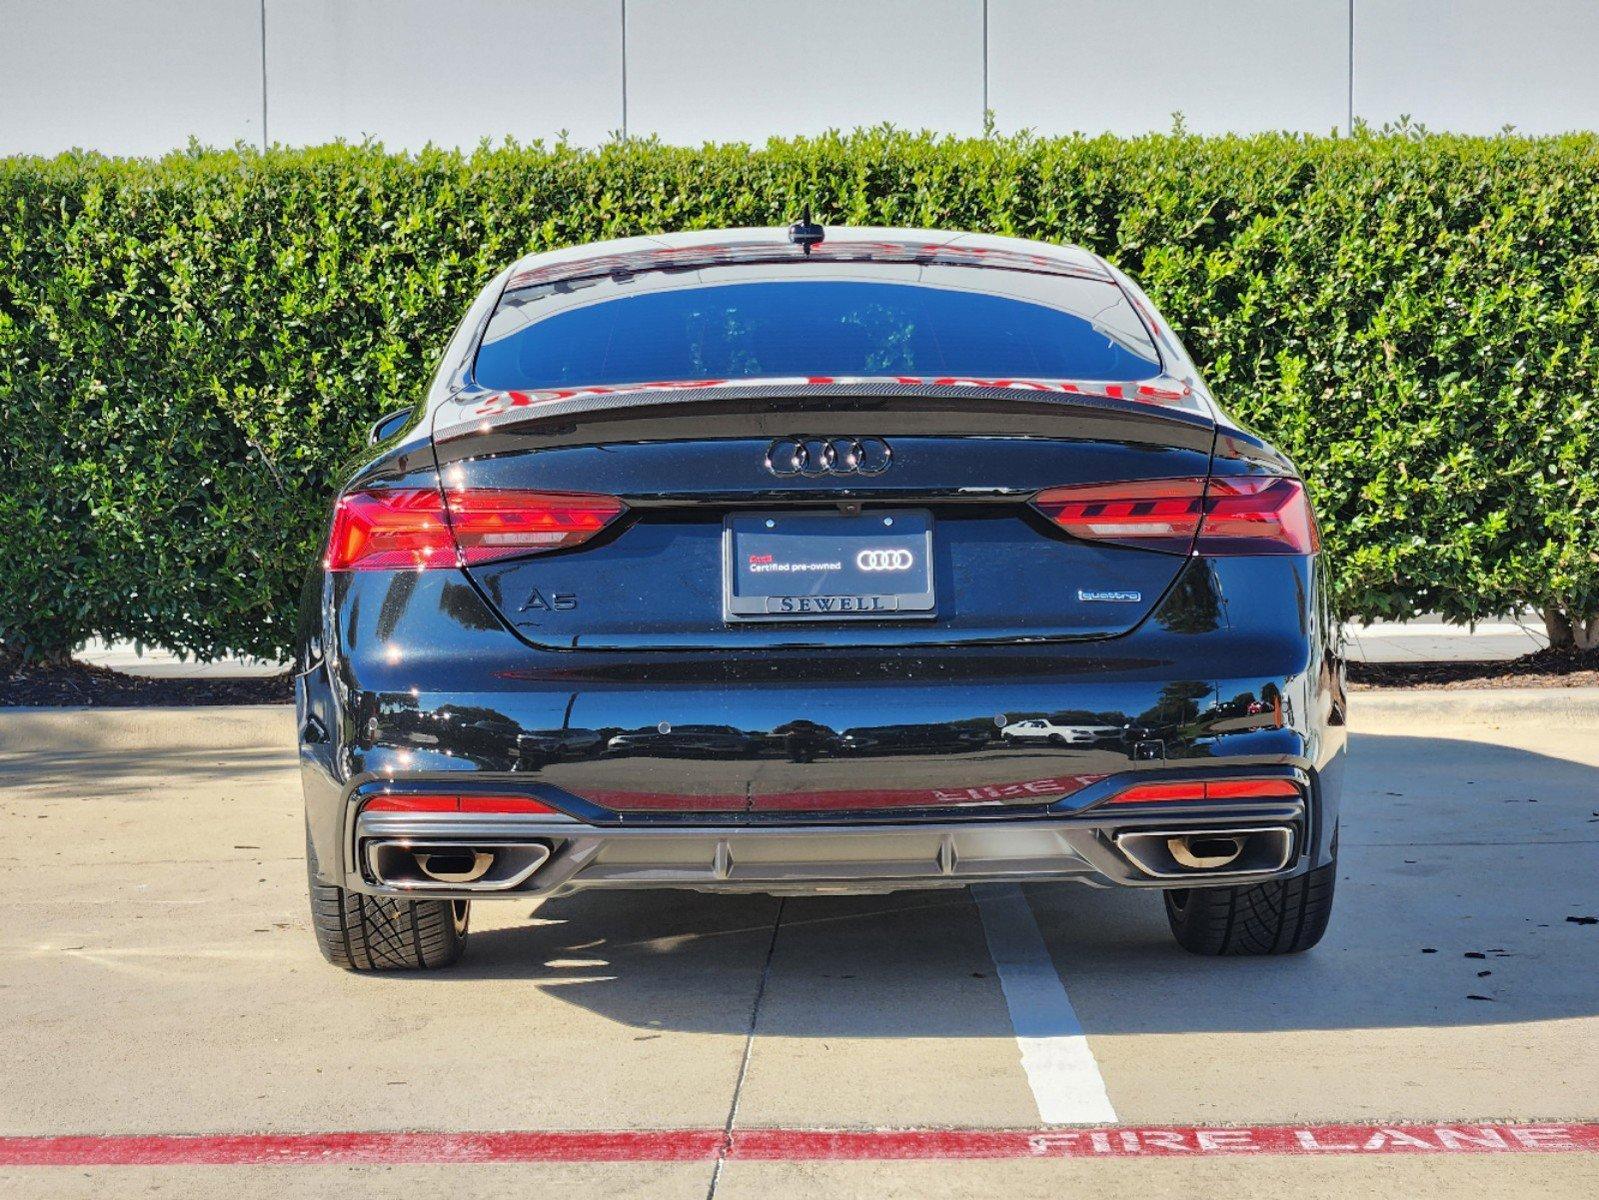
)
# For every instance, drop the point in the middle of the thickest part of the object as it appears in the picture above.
(80, 684)
(1545, 668)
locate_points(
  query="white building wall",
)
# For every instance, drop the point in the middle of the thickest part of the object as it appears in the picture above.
(128, 76)
(1474, 66)
(1242, 66)
(733, 70)
(409, 72)
(143, 76)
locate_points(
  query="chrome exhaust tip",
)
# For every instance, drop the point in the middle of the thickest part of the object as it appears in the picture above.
(449, 865)
(467, 867)
(1183, 853)
(1205, 852)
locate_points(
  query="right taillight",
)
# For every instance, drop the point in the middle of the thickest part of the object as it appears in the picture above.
(1157, 514)
(1249, 514)
(1256, 514)
(1215, 789)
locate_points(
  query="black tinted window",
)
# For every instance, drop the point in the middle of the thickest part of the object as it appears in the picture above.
(800, 328)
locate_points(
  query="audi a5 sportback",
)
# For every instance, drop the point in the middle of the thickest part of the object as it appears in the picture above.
(782, 561)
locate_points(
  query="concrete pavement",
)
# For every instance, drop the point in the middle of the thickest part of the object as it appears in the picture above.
(157, 976)
(1429, 639)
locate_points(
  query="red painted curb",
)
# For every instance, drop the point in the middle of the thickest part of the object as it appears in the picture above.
(1164, 1141)
(696, 1145)
(662, 1145)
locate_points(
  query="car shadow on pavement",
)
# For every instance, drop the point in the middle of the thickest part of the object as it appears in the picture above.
(1460, 862)
(60, 773)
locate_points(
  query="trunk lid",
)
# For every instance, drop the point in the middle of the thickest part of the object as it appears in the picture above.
(966, 460)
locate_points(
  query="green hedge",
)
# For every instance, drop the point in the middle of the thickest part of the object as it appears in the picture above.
(191, 349)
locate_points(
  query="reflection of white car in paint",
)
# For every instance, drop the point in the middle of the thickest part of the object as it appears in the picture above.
(1042, 729)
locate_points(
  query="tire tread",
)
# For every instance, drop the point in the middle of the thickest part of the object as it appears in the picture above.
(371, 933)
(1280, 916)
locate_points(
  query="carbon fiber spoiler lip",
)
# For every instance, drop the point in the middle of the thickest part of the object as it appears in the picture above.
(466, 415)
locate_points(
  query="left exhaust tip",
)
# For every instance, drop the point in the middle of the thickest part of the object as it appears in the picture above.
(451, 865)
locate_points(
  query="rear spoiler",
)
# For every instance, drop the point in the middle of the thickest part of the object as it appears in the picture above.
(471, 412)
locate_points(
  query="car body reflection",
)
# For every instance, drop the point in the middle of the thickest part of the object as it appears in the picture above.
(686, 741)
(905, 739)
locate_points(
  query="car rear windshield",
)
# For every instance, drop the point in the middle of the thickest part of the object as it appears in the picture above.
(610, 332)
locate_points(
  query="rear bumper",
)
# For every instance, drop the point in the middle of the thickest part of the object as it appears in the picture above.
(818, 769)
(1088, 839)
(1101, 847)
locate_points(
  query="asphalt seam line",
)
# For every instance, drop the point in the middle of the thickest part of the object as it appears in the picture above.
(726, 1144)
(1067, 1086)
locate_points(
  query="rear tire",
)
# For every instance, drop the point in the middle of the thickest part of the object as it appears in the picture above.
(1284, 916)
(371, 933)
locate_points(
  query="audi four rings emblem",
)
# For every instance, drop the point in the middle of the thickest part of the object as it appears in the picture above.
(885, 560)
(815, 457)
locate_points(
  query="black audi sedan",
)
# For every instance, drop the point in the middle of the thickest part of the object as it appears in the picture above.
(672, 499)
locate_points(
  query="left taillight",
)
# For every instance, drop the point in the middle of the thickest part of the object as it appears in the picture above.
(418, 529)
(392, 530)
(457, 804)
(490, 523)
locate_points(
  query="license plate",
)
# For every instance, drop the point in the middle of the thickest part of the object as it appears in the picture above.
(827, 566)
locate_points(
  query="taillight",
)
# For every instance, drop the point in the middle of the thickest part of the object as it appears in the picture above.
(1254, 514)
(489, 523)
(1159, 793)
(465, 804)
(1216, 789)
(389, 531)
(1248, 514)
(1158, 514)
(420, 528)
(1249, 789)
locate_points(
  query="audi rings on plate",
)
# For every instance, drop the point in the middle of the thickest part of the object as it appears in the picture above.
(890, 559)
(814, 457)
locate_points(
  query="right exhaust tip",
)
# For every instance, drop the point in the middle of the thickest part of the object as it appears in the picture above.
(1183, 853)
(1205, 852)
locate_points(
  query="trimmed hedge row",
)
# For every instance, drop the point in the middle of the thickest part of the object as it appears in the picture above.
(192, 348)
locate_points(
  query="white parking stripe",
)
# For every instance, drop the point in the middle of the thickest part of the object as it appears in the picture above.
(1061, 1070)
